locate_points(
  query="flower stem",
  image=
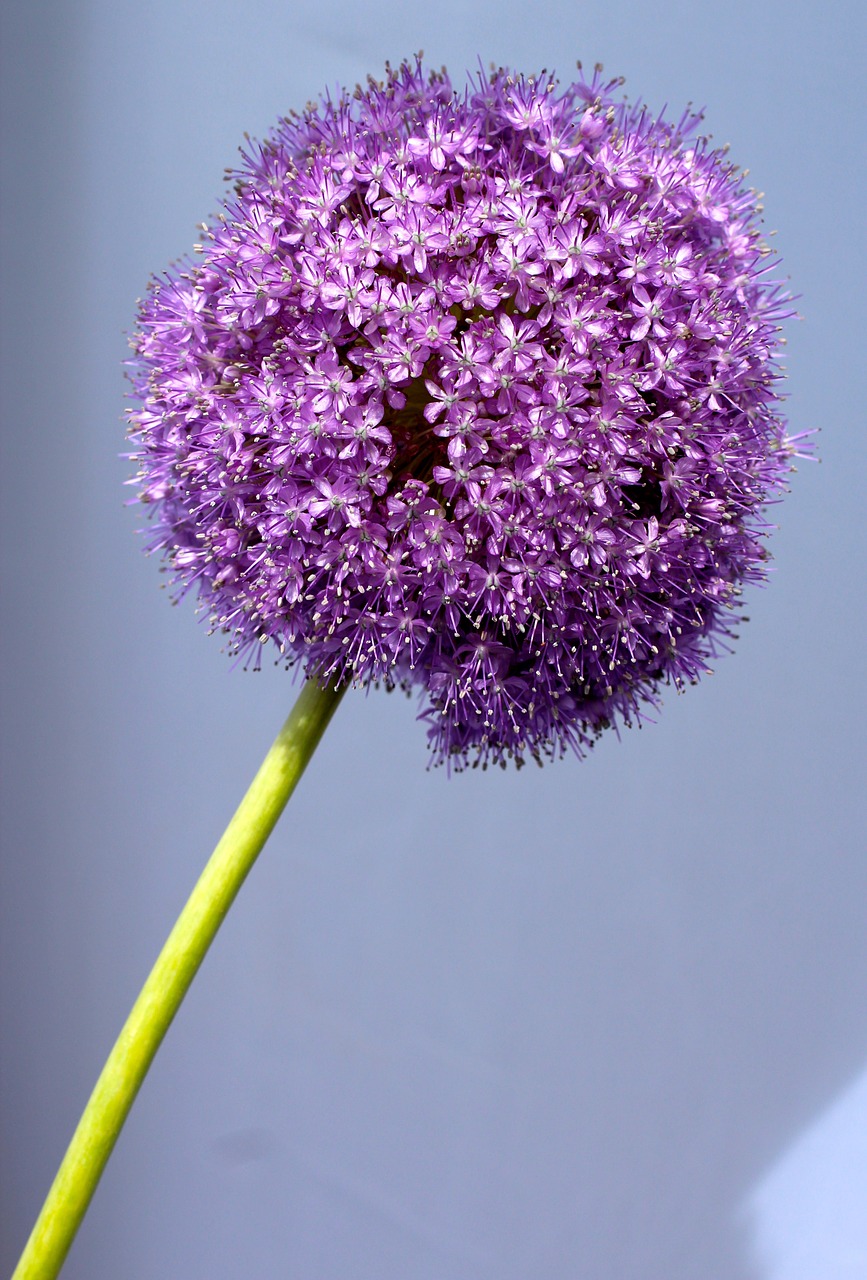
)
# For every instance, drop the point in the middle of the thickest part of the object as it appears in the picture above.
(169, 980)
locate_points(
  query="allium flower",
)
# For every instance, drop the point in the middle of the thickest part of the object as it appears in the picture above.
(475, 392)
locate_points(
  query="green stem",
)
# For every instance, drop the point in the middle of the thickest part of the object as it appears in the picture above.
(169, 980)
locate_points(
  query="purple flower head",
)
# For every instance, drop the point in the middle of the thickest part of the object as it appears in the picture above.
(475, 392)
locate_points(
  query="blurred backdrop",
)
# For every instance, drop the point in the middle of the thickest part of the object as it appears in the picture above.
(606, 1019)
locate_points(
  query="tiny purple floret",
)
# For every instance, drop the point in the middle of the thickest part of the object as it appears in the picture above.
(475, 392)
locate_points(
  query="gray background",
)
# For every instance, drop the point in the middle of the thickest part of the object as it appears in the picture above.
(564, 1023)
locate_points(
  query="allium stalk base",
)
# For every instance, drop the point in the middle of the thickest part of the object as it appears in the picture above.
(169, 980)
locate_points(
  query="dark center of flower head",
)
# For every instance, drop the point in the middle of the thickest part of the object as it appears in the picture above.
(416, 450)
(475, 392)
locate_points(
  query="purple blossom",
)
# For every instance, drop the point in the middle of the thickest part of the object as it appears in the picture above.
(473, 392)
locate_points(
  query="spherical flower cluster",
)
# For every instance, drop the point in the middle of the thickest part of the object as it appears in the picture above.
(475, 392)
